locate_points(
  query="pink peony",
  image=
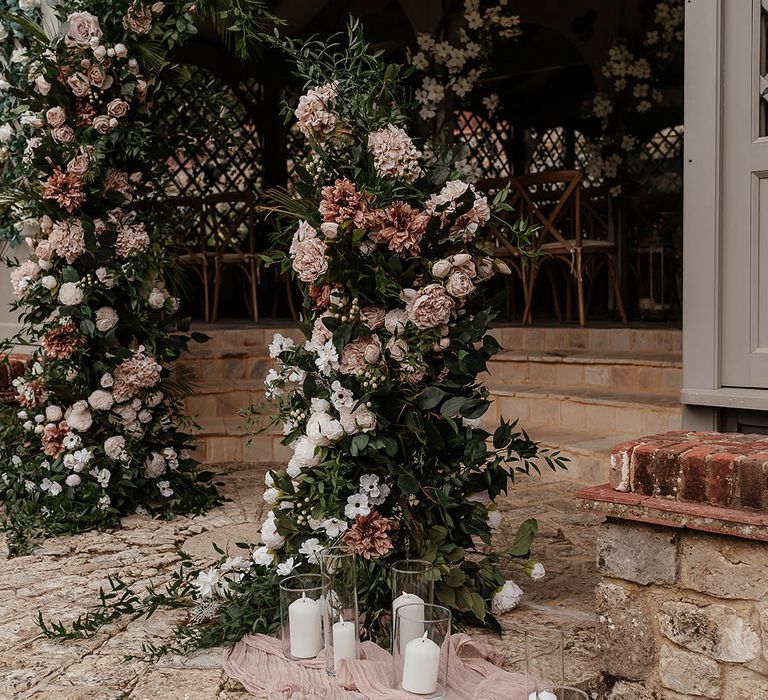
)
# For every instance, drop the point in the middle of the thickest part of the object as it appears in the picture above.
(56, 116)
(309, 260)
(430, 307)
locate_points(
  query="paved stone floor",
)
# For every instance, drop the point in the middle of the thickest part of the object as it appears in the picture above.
(62, 577)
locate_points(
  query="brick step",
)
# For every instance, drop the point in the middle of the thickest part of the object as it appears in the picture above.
(660, 373)
(234, 448)
(231, 425)
(588, 449)
(582, 407)
(641, 338)
(242, 336)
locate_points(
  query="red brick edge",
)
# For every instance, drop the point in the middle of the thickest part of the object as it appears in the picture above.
(604, 500)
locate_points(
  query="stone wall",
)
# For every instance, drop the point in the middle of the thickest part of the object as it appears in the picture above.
(683, 601)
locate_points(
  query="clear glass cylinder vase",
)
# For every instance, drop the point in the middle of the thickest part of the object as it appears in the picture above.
(545, 665)
(301, 615)
(412, 582)
(421, 649)
(341, 621)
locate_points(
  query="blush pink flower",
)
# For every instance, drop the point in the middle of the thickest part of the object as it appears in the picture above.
(341, 202)
(131, 240)
(358, 354)
(68, 240)
(430, 307)
(401, 227)
(141, 371)
(65, 189)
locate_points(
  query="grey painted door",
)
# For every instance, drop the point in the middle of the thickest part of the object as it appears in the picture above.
(744, 244)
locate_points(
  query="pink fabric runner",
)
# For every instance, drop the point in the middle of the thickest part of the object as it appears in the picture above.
(257, 661)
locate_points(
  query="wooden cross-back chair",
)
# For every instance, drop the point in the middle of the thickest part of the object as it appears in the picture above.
(224, 241)
(555, 201)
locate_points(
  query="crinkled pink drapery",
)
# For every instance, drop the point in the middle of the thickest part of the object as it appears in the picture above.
(257, 661)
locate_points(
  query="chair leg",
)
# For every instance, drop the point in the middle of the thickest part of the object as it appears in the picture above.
(206, 293)
(613, 272)
(580, 289)
(289, 291)
(216, 292)
(254, 279)
(555, 300)
(528, 312)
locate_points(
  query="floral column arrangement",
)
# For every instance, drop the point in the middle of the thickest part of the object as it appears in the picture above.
(381, 404)
(98, 430)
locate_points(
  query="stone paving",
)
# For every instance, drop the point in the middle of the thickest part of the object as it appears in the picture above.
(62, 577)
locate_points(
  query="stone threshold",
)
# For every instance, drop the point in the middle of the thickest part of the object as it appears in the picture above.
(604, 500)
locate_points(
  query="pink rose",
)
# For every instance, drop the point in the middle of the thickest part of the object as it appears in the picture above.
(63, 134)
(373, 316)
(79, 165)
(358, 354)
(459, 284)
(81, 26)
(56, 116)
(117, 108)
(42, 85)
(44, 250)
(430, 307)
(79, 84)
(309, 261)
(101, 124)
(99, 78)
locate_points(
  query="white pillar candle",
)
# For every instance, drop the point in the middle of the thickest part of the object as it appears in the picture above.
(421, 666)
(344, 641)
(542, 695)
(306, 627)
(409, 628)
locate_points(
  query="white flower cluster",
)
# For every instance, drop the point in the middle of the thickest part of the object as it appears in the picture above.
(458, 66)
(371, 493)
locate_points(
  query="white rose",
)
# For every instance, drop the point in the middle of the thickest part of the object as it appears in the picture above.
(441, 269)
(73, 480)
(269, 534)
(395, 321)
(101, 400)
(272, 496)
(78, 417)
(53, 414)
(317, 426)
(535, 569)
(121, 51)
(507, 597)
(70, 294)
(6, 132)
(106, 318)
(114, 446)
(49, 282)
(157, 298)
(262, 556)
(154, 465)
(303, 454)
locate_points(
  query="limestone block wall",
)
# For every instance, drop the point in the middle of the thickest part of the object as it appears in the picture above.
(683, 601)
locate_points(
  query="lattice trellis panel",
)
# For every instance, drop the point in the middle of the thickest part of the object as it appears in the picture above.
(486, 143)
(228, 158)
(661, 158)
(550, 150)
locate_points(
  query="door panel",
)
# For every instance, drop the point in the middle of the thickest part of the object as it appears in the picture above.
(744, 244)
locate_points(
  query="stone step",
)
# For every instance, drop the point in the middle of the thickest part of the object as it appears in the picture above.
(660, 373)
(589, 450)
(581, 407)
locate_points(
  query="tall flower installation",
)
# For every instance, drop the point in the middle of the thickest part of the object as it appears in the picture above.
(98, 431)
(381, 404)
